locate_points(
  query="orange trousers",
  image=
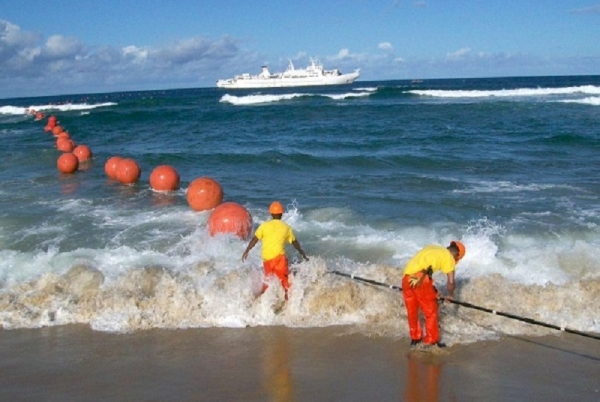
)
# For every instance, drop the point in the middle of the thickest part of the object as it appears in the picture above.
(423, 297)
(278, 266)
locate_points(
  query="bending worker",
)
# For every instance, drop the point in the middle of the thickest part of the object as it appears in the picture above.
(419, 291)
(274, 235)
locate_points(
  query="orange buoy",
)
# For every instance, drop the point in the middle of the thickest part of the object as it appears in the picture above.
(164, 178)
(57, 130)
(65, 144)
(128, 171)
(48, 127)
(63, 134)
(67, 163)
(52, 121)
(204, 193)
(39, 116)
(82, 152)
(230, 217)
(110, 167)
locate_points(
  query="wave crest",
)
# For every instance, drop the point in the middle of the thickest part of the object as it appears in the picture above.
(271, 98)
(18, 110)
(503, 93)
(154, 297)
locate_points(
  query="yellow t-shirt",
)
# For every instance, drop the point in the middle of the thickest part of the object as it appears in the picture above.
(437, 257)
(274, 234)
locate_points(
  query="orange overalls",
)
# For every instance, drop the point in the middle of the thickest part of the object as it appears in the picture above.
(424, 297)
(278, 266)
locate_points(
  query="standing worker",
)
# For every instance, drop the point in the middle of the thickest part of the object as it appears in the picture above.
(420, 293)
(274, 235)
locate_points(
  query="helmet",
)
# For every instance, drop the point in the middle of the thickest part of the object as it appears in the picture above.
(276, 208)
(461, 249)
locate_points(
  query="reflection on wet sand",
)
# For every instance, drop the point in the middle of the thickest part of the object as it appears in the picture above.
(277, 375)
(422, 380)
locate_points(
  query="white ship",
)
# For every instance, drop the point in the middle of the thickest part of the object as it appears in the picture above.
(313, 75)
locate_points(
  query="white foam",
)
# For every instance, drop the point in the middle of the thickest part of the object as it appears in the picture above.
(502, 186)
(593, 100)
(348, 95)
(503, 93)
(17, 110)
(12, 110)
(269, 98)
(257, 99)
(162, 269)
(144, 290)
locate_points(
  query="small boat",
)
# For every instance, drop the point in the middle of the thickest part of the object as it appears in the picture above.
(313, 75)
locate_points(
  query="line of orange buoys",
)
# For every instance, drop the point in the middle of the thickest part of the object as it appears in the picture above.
(203, 193)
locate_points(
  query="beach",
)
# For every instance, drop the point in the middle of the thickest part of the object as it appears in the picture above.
(74, 363)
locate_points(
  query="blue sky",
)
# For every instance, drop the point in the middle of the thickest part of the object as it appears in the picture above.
(73, 47)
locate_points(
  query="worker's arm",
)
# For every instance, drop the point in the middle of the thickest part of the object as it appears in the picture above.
(297, 247)
(451, 285)
(252, 243)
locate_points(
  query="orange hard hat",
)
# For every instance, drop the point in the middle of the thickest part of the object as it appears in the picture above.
(276, 208)
(461, 249)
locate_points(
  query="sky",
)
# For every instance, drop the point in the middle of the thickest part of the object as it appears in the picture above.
(77, 47)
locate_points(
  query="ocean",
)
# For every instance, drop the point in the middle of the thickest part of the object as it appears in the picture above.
(368, 174)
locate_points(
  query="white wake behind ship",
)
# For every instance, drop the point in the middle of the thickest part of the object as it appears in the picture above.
(313, 75)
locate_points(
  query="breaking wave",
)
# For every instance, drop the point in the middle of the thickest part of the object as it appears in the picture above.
(19, 110)
(270, 98)
(504, 93)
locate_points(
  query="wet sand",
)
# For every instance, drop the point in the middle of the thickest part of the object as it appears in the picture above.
(74, 363)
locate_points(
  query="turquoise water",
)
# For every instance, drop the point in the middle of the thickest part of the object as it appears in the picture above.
(369, 173)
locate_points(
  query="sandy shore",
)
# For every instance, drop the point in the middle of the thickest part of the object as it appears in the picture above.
(74, 363)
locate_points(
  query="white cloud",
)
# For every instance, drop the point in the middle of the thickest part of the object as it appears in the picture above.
(136, 54)
(300, 55)
(61, 47)
(27, 61)
(12, 36)
(16, 46)
(459, 54)
(385, 46)
(347, 60)
(184, 51)
(135, 51)
(343, 54)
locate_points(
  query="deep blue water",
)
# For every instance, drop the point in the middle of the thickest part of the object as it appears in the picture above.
(369, 173)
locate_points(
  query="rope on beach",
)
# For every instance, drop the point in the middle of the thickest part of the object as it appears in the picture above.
(473, 306)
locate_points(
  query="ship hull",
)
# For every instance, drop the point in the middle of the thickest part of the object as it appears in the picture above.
(287, 82)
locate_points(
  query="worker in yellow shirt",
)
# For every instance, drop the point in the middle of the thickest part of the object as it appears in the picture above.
(274, 235)
(419, 291)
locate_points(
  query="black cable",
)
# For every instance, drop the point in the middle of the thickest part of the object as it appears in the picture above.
(473, 306)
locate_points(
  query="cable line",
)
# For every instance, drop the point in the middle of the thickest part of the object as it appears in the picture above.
(473, 306)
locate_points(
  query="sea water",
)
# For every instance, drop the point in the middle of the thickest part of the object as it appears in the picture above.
(368, 174)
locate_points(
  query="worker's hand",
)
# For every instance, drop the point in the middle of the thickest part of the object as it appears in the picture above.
(414, 281)
(303, 254)
(244, 256)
